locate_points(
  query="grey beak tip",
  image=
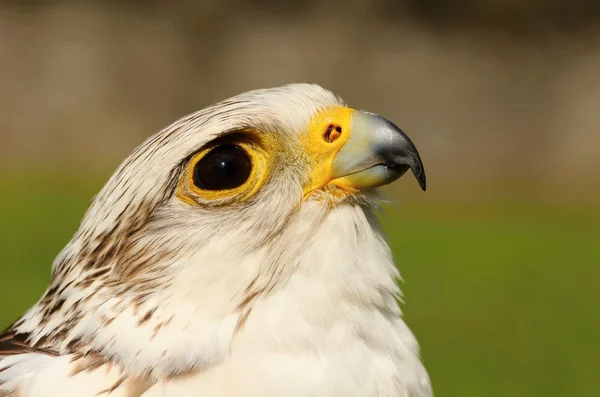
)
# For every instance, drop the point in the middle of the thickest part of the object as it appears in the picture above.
(423, 183)
(420, 176)
(408, 153)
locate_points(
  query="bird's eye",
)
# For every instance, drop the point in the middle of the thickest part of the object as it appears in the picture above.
(224, 167)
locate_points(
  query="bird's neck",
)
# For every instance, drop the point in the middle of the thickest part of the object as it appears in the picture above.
(332, 327)
(325, 291)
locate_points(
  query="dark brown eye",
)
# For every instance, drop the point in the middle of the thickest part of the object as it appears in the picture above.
(224, 167)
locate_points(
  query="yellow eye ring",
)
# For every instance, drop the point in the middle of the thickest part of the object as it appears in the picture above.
(219, 152)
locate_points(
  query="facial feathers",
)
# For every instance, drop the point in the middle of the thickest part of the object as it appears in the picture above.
(221, 259)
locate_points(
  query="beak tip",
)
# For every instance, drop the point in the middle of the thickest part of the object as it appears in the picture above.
(422, 182)
(419, 173)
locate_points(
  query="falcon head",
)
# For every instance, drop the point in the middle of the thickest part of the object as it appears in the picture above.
(240, 227)
(236, 172)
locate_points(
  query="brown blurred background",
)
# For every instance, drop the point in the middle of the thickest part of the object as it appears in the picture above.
(494, 92)
(501, 256)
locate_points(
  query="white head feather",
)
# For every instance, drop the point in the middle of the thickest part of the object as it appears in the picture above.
(280, 291)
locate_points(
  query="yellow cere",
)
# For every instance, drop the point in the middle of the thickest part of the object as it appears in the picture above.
(328, 131)
(260, 149)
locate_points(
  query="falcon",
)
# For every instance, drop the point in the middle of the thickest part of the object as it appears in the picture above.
(234, 253)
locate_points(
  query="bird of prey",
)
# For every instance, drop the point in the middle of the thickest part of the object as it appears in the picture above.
(234, 253)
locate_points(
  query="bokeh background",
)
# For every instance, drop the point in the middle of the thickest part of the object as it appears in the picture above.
(501, 256)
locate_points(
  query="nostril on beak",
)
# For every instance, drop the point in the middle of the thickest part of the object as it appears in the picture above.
(332, 133)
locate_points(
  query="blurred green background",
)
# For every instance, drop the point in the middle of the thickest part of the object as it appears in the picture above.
(501, 256)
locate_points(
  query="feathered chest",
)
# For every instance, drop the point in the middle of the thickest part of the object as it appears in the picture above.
(320, 318)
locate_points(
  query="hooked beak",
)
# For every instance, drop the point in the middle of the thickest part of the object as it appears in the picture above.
(354, 150)
(376, 153)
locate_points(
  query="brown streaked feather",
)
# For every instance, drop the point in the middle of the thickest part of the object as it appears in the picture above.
(87, 362)
(12, 343)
